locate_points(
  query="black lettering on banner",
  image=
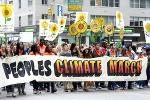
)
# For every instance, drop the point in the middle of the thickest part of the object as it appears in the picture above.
(27, 66)
(41, 68)
(21, 69)
(47, 64)
(35, 72)
(13, 69)
(7, 70)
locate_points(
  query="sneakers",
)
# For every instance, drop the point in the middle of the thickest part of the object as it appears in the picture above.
(10, 94)
(14, 95)
(53, 91)
(141, 87)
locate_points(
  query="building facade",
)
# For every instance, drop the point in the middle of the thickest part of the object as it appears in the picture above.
(28, 13)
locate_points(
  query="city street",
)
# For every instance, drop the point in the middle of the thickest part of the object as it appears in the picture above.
(104, 94)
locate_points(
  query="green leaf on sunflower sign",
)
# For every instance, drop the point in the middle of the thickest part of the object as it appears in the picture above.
(8, 19)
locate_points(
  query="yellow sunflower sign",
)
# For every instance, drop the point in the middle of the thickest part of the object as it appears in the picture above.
(81, 16)
(6, 18)
(119, 20)
(101, 21)
(81, 26)
(95, 26)
(54, 30)
(72, 30)
(146, 25)
(109, 29)
(7, 11)
(44, 27)
(62, 23)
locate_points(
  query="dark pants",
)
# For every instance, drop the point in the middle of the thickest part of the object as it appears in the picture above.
(148, 75)
(130, 85)
(99, 84)
(122, 84)
(76, 85)
(47, 85)
(21, 87)
(10, 88)
(111, 85)
(35, 85)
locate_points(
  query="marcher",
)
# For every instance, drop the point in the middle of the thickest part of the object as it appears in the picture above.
(65, 52)
(20, 51)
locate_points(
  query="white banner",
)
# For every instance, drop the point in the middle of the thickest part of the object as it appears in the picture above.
(146, 25)
(21, 69)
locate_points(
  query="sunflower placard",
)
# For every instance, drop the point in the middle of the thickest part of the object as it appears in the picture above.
(81, 26)
(72, 30)
(119, 20)
(109, 29)
(146, 25)
(44, 27)
(54, 31)
(81, 16)
(95, 27)
(101, 21)
(61, 22)
(6, 18)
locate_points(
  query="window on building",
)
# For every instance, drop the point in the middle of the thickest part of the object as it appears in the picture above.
(111, 3)
(92, 2)
(29, 3)
(45, 2)
(19, 3)
(44, 16)
(116, 3)
(147, 3)
(30, 19)
(140, 3)
(19, 20)
(106, 3)
(138, 21)
(98, 3)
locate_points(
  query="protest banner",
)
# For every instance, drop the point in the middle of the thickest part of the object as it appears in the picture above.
(21, 69)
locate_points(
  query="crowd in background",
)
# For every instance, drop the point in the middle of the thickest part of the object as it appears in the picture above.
(83, 51)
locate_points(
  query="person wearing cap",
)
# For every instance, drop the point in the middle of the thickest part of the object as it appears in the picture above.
(140, 84)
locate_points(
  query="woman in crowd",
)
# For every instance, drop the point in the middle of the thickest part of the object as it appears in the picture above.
(10, 88)
(87, 54)
(20, 51)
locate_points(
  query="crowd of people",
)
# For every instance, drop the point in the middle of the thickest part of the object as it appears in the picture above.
(72, 50)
